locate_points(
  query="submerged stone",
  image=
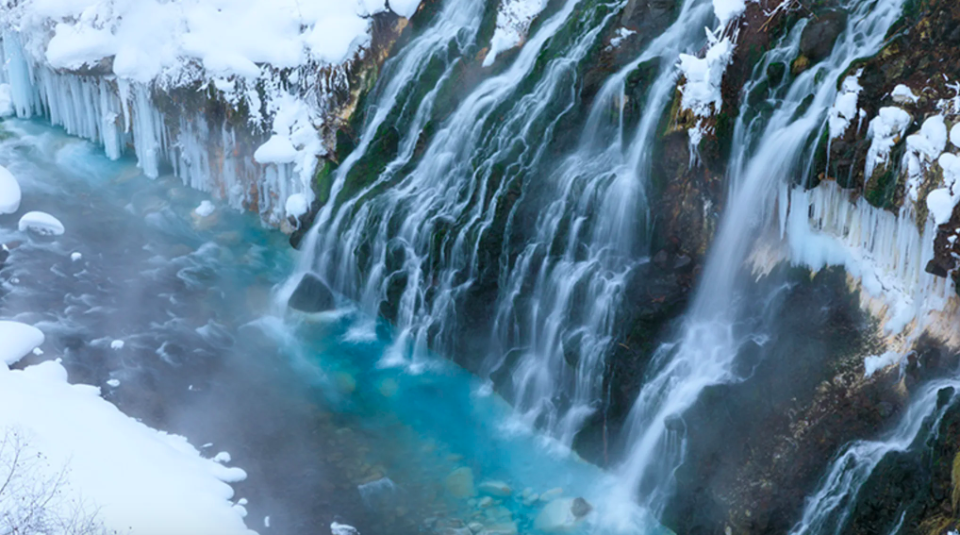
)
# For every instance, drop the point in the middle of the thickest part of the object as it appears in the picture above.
(312, 295)
(460, 483)
(495, 488)
(562, 515)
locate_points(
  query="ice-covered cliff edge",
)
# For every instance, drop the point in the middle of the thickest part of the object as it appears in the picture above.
(236, 97)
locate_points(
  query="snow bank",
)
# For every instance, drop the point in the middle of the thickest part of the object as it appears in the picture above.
(41, 223)
(17, 340)
(9, 192)
(143, 481)
(513, 22)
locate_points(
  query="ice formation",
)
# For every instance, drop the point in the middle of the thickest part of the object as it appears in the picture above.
(884, 251)
(9, 192)
(280, 66)
(702, 79)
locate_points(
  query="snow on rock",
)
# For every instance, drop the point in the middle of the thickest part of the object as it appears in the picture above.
(955, 135)
(297, 205)
(727, 10)
(278, 150)
(205, 209)
(702, 79)
(878, 362)
(941, 201)
(513, 22)
(140, 480)
(9, 192)
(41, 223)
(76, 257)
(923, 148)
(342, 529)
(113, 383)
(17, 340)
(903, 95)
(845, 109)
(117, 345)
(886, 129)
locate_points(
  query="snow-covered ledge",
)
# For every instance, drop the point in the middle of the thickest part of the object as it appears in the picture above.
(196, 86)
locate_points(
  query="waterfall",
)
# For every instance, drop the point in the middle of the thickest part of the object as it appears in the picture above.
(426, 231)
(827, 510)
(706, 349)
(590, 238)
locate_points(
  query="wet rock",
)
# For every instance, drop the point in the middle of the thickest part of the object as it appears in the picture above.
(506, 528)
(495, 488)
(821, 34)
(312, 295)
(661, 258)
(683, 264)
(561, 515)
(460, 483)
(580, 507)
(486, 501)
(475, 527)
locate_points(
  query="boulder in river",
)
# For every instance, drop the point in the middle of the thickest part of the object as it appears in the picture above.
(821, 34)
(498, 489)
(312, 295)
(562, 515)
(460, 483)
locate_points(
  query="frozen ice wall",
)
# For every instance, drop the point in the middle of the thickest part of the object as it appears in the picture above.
(197, 87)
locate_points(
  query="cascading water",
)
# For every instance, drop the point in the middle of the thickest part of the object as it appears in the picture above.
(827, 510)
(706, 351)
(590, 238)
(426, 231)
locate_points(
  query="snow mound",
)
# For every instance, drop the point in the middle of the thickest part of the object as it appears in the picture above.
(297, 205)
(278, 150)
(17, 340)
(205, 209)
(9, 192)
(904, 95)
(142, 480)
(41, 223)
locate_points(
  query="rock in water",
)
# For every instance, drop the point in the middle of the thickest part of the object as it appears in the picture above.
(562, 515)
(312, 295)
(460, 483)
(495, 488)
